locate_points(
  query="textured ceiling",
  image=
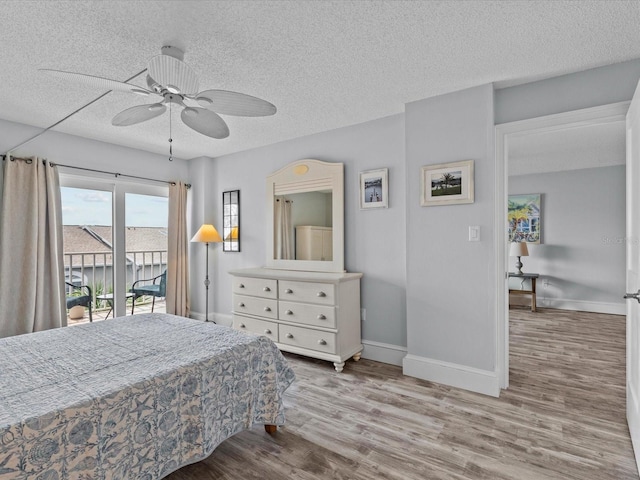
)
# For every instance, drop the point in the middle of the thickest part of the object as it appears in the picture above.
(324, 64)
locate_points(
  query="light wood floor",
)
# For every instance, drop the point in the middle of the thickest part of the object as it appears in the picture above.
(563, 417)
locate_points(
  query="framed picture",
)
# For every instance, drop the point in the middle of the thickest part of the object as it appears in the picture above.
(524, 215)
(374, 188)
(447, 184)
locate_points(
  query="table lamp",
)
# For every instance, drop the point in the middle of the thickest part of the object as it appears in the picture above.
(518, 249)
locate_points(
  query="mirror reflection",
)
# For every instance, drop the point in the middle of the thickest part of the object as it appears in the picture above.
(303, 226)
(231, 221)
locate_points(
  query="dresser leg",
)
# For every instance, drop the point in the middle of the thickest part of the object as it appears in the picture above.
(357, 356)
(339, 366)
(270, 429)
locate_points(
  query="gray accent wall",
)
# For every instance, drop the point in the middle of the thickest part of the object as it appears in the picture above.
(374, 238)
(590, 88)
(581, 260)
(451, 281)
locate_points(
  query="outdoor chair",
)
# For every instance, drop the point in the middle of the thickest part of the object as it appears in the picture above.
(158, 288)
(83, 300)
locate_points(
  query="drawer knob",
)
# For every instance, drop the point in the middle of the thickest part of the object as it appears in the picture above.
(288, 290)
(289, 312)
(322, 342)
(321, 317)
(267, 332)
(241, 286)
(289, 335)
(242, 325)
(322, 294)
(241, 304)
(266, 289)
(267, 309)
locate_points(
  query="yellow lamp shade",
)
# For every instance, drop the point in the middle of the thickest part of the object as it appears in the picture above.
(207, 234)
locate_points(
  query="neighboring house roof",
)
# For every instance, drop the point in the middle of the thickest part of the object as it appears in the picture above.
(97, 239)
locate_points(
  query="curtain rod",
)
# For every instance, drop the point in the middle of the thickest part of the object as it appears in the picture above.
(71, 114)
(115, 174)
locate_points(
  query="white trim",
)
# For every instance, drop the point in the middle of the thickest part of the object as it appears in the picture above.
(455, 375)
(583, 306)
(589, 116)
(383, 352)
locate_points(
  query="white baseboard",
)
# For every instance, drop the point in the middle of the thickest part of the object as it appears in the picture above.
(460, 376)
(383, 352)
(583, 306)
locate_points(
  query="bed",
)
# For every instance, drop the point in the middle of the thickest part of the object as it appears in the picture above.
(132, 397)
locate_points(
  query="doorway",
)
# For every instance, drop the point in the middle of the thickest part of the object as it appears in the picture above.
(115, 234)
(508, 138)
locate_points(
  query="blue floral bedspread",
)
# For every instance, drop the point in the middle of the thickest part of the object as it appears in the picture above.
(131, 398)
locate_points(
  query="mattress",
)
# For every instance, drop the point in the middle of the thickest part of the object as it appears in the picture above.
(132, 397)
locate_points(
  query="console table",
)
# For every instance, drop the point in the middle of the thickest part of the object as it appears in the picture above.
(526, 276)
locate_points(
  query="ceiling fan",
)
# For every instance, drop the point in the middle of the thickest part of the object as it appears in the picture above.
(169, 78)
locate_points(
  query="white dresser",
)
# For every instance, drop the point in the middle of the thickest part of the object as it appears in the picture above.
(315, 314)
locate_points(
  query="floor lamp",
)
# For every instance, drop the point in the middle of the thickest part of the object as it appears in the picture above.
(207, 234)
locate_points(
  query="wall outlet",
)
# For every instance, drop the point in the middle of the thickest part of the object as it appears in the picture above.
(363, 314)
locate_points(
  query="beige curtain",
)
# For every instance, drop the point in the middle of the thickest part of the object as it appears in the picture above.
(32, 294)
(178, 252)
(284, 245)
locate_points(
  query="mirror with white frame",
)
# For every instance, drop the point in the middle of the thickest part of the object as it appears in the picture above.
(305, 217)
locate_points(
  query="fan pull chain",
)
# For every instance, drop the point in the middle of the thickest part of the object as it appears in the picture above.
(170, 139)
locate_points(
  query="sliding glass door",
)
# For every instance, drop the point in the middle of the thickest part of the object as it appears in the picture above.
(115, 233)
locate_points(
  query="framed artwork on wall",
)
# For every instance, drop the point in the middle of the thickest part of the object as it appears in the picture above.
(447, 184)
(231, 221)
(524, 215)
(374, 188)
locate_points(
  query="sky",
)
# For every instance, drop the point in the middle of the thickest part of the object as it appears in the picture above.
(93, 207)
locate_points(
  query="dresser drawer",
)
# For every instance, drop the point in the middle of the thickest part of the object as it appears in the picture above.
(308, 314)
(322, 293)
(262, 307)
(257, 287)
(307, 338)
(253, 325)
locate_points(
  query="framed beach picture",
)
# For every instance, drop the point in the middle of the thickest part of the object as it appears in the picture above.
(524, 215)
(374, 188)
(447, 184)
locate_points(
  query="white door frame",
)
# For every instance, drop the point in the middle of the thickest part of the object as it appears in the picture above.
(615, 112)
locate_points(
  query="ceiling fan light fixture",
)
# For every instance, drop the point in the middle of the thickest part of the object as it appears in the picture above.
(174, 73)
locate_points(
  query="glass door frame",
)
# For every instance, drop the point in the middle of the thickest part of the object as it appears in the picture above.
(118, 189)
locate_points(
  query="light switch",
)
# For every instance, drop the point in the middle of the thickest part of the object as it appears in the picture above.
(474, 233)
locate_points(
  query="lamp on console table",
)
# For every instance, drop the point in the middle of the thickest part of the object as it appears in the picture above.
(207, 234)
(518, 249)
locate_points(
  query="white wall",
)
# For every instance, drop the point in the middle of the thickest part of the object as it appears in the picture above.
(83, 152)
(582, 257)
(450, 281)
(374, 238)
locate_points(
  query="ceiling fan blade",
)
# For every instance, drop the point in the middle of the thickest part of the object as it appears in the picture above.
(138, 114)
(233, 103)
(205, 122)
(173, 74)
(97, 82)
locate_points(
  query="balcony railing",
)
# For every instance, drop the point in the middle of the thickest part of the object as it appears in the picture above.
(95, 269)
